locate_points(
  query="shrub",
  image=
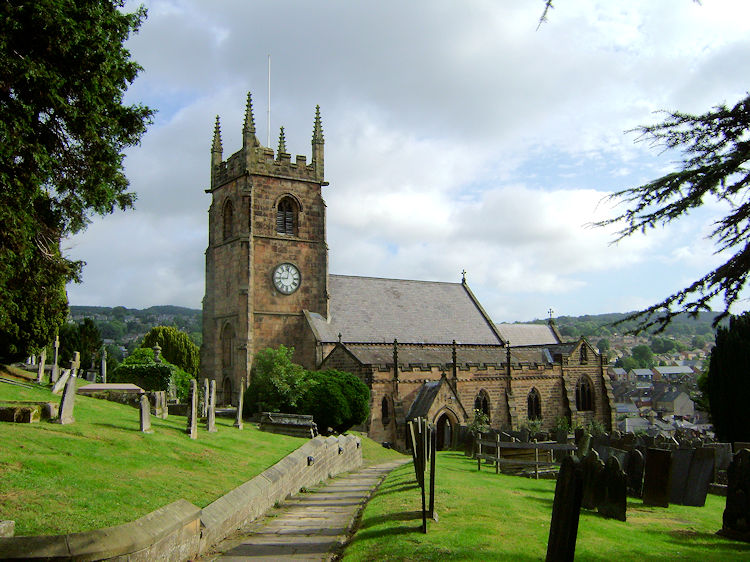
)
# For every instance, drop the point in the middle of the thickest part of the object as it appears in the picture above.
(336, 400)
(141, 368)
(276, 383)
(176, 347)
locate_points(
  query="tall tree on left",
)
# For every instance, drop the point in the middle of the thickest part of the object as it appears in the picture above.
(63, 128)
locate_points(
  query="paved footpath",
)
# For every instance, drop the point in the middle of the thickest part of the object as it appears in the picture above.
(309, 526)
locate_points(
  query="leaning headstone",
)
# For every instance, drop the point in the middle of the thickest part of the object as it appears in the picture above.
(634, 470)
(192, 418)
(656, 477)
(614, 502)
(145, 415)
(700, 476)
(591, 467)
(566, 509)
(40, 369)
(55, 369)
(67, 402)
(211, 417)
(238, 422)
(681, 459)
(204, 403)
(61, 382)
(737, 511)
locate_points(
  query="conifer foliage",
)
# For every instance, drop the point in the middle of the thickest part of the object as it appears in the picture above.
(727, 385)
(63, 127)
(716, 164)
(176, 347)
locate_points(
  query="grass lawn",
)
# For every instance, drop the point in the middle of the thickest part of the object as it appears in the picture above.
(102, 471)
(484, 516)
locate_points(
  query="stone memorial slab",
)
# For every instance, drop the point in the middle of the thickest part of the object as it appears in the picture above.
(681, 459)
(55, 369)
(211, 416)
(613, 503)
(634, 469)
(723, 455)
(58, 387)
(192, 416)
(145, 415)
(566, 509)
(736, 520)
(204, 402)
(700, 476)
(591, 467)
(656, 483)
(104, 365)
(240, 402)
(67, 402)
(40, 368)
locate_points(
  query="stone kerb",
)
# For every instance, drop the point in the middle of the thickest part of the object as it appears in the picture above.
(247, 502)
(171, 532)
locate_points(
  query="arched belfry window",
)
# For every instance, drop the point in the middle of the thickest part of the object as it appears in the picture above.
(385, 411)
(482, 403)
(286, 216)
(228, 220)
(227, 338)
(584, 397)
(534, 405)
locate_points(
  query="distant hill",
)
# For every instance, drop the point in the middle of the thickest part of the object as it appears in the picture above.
(591, 325)
(125, 325)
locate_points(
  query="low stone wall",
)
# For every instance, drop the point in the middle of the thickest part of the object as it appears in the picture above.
(181, 530)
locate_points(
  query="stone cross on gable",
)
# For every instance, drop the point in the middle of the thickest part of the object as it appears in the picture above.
(550, 312)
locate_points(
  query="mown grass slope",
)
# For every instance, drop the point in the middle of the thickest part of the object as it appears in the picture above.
(484, 516)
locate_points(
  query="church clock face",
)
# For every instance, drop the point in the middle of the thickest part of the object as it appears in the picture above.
(286, 278)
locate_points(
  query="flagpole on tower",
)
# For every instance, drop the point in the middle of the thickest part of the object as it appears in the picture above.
(268, 134)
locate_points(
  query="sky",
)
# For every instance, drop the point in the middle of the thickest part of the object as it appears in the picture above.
(458, 136)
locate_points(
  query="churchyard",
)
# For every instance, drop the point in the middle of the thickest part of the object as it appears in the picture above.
(102, 470)
(486, 516)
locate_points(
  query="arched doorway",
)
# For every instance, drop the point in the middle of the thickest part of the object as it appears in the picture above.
(444, 429)
(227, 392)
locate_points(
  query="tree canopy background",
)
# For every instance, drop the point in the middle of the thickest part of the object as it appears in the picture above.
(63, 127)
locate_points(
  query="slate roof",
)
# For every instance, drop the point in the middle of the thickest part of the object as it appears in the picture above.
(426, 396)
(671, 370)
(370, 309)
(527, 334)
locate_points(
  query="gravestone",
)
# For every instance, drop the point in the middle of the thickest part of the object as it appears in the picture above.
(55, 369)
(700, 476)
(192, 417)
(591, 467)
(656, 477)
(739, 445)
(723, 455)
(211, 417)
(613, 503)
(681, 459)
(160, 404)
(75, 364)
(240, 402)
(736, 524)
(566, 509)
(204, 403)
(67, 402)
(40, 369)
(104, 365)
(145, 415)
(61, 382)
(583, 440)
(634, 470)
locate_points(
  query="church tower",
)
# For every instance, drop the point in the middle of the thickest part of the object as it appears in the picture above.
(267, 258)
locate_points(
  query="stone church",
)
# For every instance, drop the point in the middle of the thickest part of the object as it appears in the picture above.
(424, 348)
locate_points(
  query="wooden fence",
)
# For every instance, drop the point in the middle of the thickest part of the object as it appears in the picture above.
(516, 455)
